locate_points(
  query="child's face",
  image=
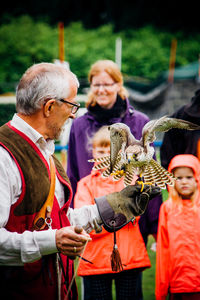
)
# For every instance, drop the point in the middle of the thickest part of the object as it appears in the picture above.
(100, 151)
(185, 184)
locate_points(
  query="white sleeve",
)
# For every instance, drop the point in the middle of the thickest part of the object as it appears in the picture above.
(17, 249)
(84, 216)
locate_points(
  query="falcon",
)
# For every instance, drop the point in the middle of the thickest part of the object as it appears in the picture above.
(129, 156)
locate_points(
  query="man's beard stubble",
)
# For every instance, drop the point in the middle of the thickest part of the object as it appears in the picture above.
(55, 131)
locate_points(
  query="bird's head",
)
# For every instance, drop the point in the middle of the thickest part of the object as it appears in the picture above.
(133, 153)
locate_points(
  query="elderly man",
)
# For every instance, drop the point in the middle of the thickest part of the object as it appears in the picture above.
(39, 236)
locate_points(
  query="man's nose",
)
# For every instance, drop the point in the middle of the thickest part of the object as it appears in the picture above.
(72, 116)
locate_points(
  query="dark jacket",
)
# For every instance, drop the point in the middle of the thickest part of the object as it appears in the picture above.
(179, 141)
(84, 127)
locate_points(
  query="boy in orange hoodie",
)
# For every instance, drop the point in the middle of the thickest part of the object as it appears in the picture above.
(99, 275)
(178, 242)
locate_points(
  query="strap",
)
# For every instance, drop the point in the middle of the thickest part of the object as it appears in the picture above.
(43, 216)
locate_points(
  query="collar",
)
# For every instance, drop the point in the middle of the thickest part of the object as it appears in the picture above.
(34, 135)
(103, 115)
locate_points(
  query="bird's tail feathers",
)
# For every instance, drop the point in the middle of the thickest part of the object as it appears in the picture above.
(118, 176)
(129, 174)
(106, 173)
(158, 175)
(117, 167)
(165, 175)
(149, 174)
(102, 165)
(99, 159)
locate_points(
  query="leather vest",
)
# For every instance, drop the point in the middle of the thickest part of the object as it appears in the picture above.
(35, 176)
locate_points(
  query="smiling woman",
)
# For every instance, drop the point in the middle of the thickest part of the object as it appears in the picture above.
(104, 90)
(106, 83)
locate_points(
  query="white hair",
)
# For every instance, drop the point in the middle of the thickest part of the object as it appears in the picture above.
(40, 82)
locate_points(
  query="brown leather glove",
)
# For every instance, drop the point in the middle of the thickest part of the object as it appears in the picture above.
(117, 209)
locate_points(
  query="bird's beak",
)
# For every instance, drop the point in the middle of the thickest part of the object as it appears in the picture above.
(130, 157)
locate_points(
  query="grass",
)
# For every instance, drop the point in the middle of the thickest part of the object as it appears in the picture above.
(148, 282)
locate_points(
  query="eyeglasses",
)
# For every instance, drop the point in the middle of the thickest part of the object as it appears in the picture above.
(106, 86)
(75, 106)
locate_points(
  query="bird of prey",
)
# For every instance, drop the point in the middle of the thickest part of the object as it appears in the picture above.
(129, 156)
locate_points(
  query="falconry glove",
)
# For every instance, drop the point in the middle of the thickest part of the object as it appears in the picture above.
(119, 208)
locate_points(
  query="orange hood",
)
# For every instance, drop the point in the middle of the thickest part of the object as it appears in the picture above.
(186, 160)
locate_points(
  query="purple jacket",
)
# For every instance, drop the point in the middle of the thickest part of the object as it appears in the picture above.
(78, 166)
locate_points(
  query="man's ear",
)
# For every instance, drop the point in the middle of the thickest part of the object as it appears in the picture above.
(48, 107)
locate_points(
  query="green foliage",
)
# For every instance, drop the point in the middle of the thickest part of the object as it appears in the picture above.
(24, 43)
(84, 47)
(144, 54)
(145, 51)
(6, 113)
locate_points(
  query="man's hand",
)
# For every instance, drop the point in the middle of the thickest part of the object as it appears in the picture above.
(71, 240)
(117, 209)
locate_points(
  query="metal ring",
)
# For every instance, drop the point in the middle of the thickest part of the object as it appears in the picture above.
(144, 193)
(74, 249)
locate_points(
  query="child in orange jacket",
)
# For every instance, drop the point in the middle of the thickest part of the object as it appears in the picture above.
(99, 275)
(178, 242)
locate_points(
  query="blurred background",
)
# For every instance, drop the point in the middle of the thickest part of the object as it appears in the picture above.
(155, 44)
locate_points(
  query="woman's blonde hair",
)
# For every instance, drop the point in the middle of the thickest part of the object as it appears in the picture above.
(113, 70)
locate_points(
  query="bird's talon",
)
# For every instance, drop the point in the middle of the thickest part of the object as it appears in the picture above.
(121, 172)
(142, 184)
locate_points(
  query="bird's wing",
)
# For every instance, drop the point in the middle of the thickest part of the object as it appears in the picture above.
(158, 175)
(162, 125)
(130, 171)
(119, 138)
(99, 159)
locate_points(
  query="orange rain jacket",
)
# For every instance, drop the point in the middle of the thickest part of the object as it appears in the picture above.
(178, 242)
(129, 239)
